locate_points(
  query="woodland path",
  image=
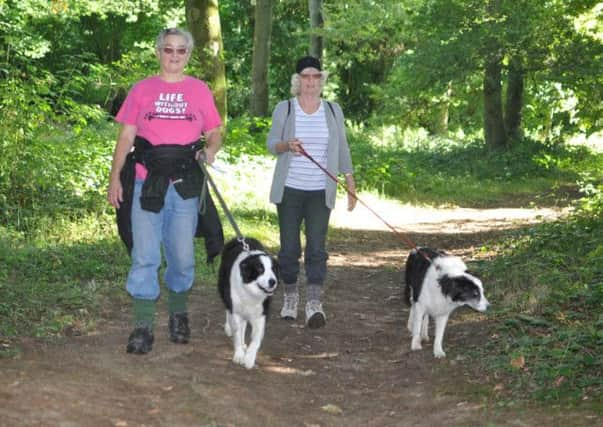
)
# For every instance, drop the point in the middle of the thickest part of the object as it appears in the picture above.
(357, 371)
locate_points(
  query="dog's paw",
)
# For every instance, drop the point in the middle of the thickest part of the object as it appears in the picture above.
(439, 354)
(249, 361)
(239, 357)
(415, 345)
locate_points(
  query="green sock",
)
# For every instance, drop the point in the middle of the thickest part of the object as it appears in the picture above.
(144, 313)
(177, 301)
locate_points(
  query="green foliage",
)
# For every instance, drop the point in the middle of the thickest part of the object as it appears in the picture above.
(445, 44)
(246, 135)
(548, 284)
(53, 280)
(46, 170)
(365, 38)
(416, 167)
(289, 41)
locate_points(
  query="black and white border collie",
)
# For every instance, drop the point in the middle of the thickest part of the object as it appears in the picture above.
(246, 280)
(436, 284)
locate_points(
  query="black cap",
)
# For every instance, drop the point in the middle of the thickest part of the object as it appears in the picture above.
(307, 61)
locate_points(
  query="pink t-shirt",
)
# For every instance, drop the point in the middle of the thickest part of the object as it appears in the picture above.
(169, 113)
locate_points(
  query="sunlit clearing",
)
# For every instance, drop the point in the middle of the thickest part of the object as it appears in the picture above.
(285, 370)
(377, 258)
(404, 217)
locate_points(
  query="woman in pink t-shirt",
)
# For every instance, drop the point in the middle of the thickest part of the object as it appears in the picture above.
(165, 112)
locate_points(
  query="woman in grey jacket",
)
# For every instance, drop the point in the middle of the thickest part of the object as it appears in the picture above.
(300, 190)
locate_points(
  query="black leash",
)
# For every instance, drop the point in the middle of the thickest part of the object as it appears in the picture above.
(234, 225)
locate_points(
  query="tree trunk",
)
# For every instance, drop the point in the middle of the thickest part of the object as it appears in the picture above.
(494, 127)
(261, 58)
(514, 103)
(443, 112)
(316, 23)
(203, 20)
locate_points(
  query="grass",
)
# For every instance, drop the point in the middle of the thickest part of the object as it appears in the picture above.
(64, 265)
(549, 343)
(415, 167)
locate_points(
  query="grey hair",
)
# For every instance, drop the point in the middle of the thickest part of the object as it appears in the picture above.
(296, 82)
(188, 37)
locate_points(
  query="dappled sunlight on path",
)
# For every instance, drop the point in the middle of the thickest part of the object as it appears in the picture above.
(406, 217)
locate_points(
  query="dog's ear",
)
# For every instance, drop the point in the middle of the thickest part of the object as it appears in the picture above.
(451, 287)
(250, 269)
(464, 289)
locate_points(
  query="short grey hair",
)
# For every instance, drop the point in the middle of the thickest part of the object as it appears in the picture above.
(296, 82)
(188, 37)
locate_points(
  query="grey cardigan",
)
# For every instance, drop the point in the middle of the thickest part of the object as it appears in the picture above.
(339, 159)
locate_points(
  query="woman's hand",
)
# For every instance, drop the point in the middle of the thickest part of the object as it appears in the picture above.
(352, 201)
(209, 155)
(293, 145)
(351, 185)
(115, 193)
(125, 141)
(213, 140)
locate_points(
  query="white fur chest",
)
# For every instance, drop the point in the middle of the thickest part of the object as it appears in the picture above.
(246, 305)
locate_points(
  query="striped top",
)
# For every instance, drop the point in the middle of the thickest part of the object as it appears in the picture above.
(312, 131)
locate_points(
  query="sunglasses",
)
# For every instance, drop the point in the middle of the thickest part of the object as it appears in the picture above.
(179, 50)
(316, 76)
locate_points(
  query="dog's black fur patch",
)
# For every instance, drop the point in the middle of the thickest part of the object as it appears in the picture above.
(417, 264)
(459, 289)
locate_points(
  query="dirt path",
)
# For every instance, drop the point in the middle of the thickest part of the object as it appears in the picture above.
(357, 371)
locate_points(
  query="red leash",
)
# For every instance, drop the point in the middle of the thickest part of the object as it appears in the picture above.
(404, 238)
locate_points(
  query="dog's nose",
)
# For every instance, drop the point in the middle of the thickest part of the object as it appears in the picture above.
(271, 283)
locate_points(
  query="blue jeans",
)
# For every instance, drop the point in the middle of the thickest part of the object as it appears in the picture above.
(173, 228)
(308, 207)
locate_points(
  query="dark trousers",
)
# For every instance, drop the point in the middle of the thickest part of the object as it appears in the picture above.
(308, 207)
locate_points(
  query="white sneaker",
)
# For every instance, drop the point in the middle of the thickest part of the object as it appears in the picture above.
(315, 316)
(289, 310)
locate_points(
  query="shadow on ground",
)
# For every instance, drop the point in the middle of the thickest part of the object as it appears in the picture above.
(357, 371)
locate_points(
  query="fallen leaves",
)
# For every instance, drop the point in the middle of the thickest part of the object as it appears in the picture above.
(332, 409)
(289, 371)
(519, 362)
(559, 381)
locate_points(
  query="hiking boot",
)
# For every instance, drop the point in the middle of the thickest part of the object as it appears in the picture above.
(315, 316)
(140, 341)
(178, 328)
(289, 310)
